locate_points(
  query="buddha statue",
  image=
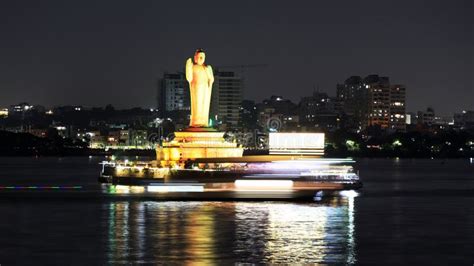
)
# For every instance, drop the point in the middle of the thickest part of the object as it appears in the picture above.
(200, 78)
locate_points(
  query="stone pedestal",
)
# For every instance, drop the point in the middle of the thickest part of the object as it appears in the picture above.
(196, 143)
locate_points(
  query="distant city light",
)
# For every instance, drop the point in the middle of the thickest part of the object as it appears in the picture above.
(397, 143)
(4, 112)
(350, 142)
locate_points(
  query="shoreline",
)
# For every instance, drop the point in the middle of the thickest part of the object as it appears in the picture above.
(151, 153)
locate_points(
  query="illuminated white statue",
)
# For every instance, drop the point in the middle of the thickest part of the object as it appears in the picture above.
(200, 78)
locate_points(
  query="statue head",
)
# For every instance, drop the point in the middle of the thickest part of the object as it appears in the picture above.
(199, 57)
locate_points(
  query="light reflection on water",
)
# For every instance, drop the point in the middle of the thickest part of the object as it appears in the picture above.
(411, 212)
(218, 232)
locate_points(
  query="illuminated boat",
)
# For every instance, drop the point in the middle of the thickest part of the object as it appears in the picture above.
(247, 177)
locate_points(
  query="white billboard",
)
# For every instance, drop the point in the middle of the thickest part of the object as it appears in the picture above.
(296, 143)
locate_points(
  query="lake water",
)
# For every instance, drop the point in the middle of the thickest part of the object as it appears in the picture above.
(410, 211)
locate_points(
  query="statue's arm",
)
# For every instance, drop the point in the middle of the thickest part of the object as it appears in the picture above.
(210, 75)
(189, 70)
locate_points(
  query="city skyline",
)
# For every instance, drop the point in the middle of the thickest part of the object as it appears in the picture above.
(163, 105)
(82, 54)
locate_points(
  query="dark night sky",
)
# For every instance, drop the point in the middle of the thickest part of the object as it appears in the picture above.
(97, 52)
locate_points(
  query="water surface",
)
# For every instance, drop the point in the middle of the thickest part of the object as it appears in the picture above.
(409, 212)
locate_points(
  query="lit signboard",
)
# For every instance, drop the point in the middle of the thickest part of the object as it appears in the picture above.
(296, 143)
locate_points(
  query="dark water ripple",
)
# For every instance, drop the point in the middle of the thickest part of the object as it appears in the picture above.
(409, 212)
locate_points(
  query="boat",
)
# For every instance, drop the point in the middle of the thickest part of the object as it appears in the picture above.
(247, 177)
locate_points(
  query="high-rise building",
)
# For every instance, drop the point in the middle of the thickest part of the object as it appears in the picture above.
(226, 98)
(397, 108)
(352, 101)
(173, 97)
(372, 101)
(386, 103)
(378, 100)
(318, 111)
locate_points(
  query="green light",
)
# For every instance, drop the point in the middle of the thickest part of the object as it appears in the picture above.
(352, 145)
(397, 143)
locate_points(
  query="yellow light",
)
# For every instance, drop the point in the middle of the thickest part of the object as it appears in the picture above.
(258, 184)
(122, 189)
(137, 189)
(164, 189)
(4, 112)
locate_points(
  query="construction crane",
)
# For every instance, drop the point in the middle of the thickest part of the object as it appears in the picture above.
(242, 67)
